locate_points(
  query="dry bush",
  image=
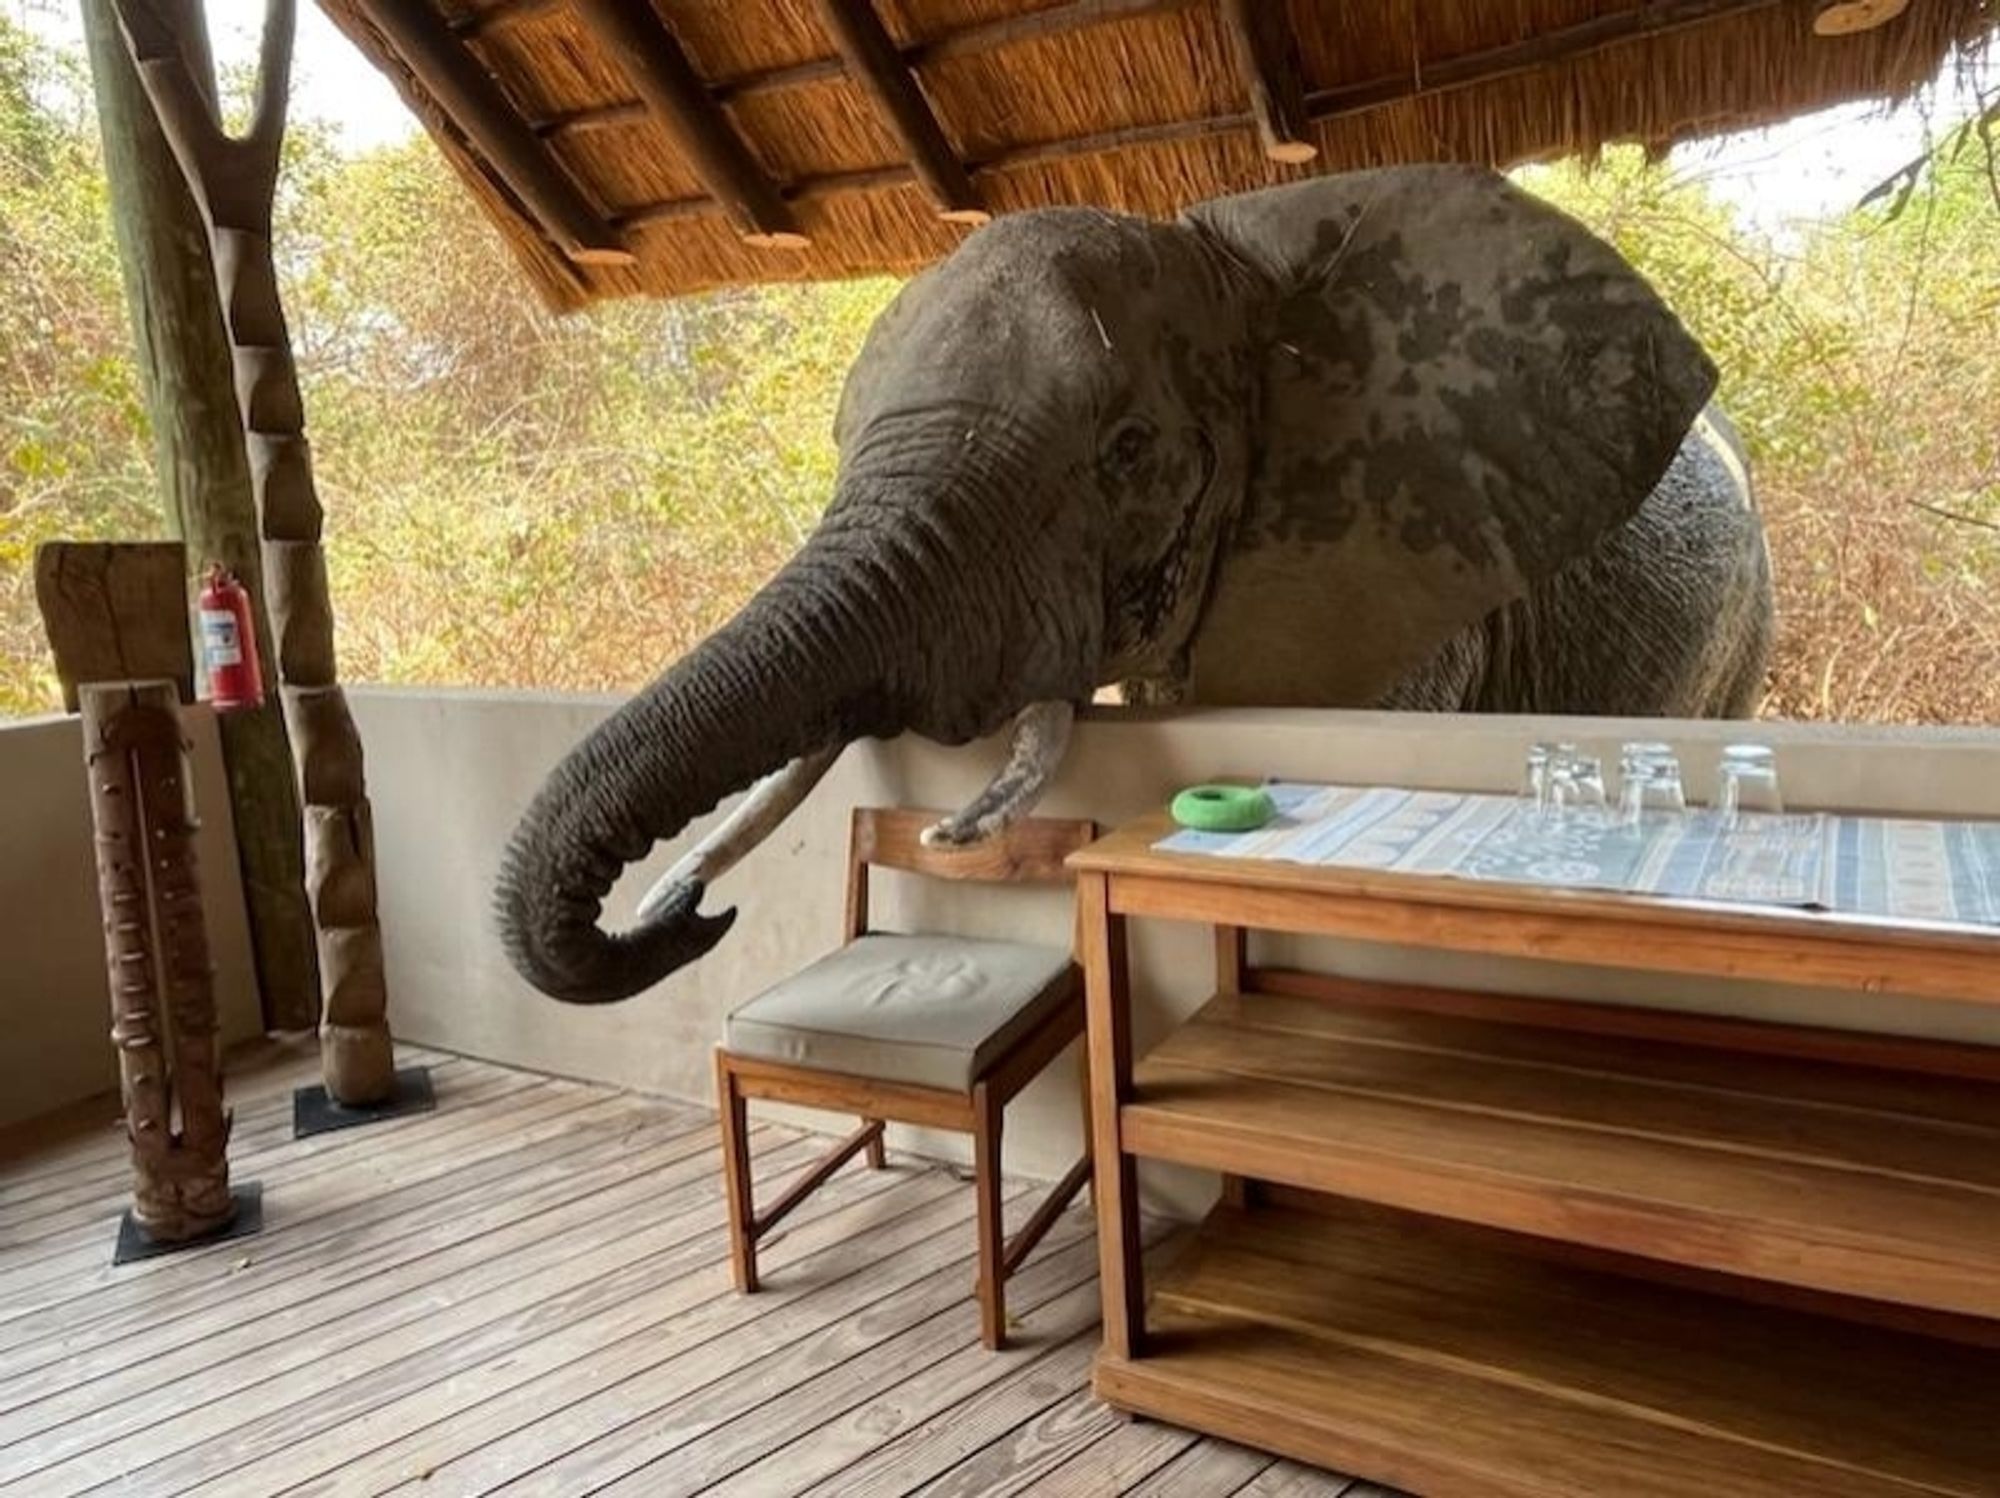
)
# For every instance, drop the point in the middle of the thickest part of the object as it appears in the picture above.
(1860, 364)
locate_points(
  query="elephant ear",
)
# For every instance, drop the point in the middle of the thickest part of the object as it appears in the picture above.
(1463, 391)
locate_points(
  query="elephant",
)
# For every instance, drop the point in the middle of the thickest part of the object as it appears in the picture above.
(1404, 437)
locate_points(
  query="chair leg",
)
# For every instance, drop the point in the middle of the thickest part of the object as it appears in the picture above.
(986, 1119)
(877, 1158)
(735, 1120)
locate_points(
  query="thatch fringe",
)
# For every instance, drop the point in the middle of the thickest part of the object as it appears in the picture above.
(1143, 112)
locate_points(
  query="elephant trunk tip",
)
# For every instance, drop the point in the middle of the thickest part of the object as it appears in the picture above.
(557, 946)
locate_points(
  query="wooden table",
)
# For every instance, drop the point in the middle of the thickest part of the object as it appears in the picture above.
(1501, 1246)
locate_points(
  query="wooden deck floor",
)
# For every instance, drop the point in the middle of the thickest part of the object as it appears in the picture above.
(526, 1291)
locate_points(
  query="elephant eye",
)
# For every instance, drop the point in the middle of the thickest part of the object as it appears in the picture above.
(1127, 446)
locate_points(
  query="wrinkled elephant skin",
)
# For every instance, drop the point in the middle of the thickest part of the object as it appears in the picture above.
(1405, 437)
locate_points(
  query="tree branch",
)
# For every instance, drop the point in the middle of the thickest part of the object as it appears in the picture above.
(1943, 514)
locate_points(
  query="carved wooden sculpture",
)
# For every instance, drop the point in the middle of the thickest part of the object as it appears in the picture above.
(162, 1002)
(234, 179)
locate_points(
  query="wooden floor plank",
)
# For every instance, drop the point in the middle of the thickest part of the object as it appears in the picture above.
(1127, 1453)
(47, 1147)
(1207, 1469)
(38, 1227)
(226, 1416)
(89, 1135)
(1040, 1444)
(320, 1217)
(102, 1165)
(538, 1421)
(733, 1355)
(530, 1287)
(570, 1324)
(101, 1381)
(938, 1444)
(1284, 1479)
(24, 1272)
(101, 1307)
(821, 1427)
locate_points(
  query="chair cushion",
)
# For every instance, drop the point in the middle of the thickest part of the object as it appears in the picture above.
(931, 1011)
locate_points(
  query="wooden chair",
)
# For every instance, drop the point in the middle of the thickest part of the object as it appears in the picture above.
(935, 1030)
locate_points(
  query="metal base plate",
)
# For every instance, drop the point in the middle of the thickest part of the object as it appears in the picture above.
(313, 1112)
(134, 1244)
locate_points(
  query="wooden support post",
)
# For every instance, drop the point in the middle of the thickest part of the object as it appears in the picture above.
(203, 479)
(639, 41)
(116, 611)
(874, 63)
(1267, 61)
(465, 91)
(1115, 1180)
(162, 1000)
(234, 180)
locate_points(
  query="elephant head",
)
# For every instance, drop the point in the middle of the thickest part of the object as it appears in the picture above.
(1389, 400)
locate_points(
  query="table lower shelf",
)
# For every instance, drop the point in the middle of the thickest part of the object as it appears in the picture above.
(1840, 1179)
(1445, 1360)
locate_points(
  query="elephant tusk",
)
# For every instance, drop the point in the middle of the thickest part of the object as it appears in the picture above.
(768, 803)
(1041, 734)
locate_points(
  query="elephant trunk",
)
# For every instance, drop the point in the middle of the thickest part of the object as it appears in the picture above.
(791, 675)
(943, 591)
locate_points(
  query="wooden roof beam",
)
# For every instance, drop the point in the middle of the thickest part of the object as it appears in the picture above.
(468, 94)
(1445, 75)
(967, 41)
(1267, 61)
(877, 66)
(506, 13)
(639, 41)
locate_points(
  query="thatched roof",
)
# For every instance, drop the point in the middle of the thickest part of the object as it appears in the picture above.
(661, 146)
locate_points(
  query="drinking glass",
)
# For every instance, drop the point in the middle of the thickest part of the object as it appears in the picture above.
(1649, 776)
(1586, 775)
(1747, 781)
(1547, 763)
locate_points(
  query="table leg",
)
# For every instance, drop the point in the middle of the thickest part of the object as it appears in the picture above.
(1231, 961)
(1115, 1188)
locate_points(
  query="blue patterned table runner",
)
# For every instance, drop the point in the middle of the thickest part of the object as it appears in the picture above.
(1898, 868)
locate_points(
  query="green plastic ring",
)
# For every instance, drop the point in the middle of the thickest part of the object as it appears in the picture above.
(1224, 808)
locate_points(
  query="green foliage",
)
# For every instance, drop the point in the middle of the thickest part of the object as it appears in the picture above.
(72, 452)
(518, 499)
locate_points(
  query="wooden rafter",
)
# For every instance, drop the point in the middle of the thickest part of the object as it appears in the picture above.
(965, 41)
(878, 68)
(468, 93)
(1267, 62)
(505, 13)
(674, 93)
(1444, 76)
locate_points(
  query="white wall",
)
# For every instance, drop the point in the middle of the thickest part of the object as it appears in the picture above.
(55, 1007)
(449, 772)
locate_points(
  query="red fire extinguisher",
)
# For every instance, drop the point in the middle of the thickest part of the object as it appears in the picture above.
(229, 643)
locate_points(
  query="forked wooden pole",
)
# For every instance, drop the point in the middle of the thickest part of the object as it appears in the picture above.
(162, 998)
(234, 179)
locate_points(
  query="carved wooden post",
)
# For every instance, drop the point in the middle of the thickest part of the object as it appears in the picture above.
(162, 1001)
(233, 179)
